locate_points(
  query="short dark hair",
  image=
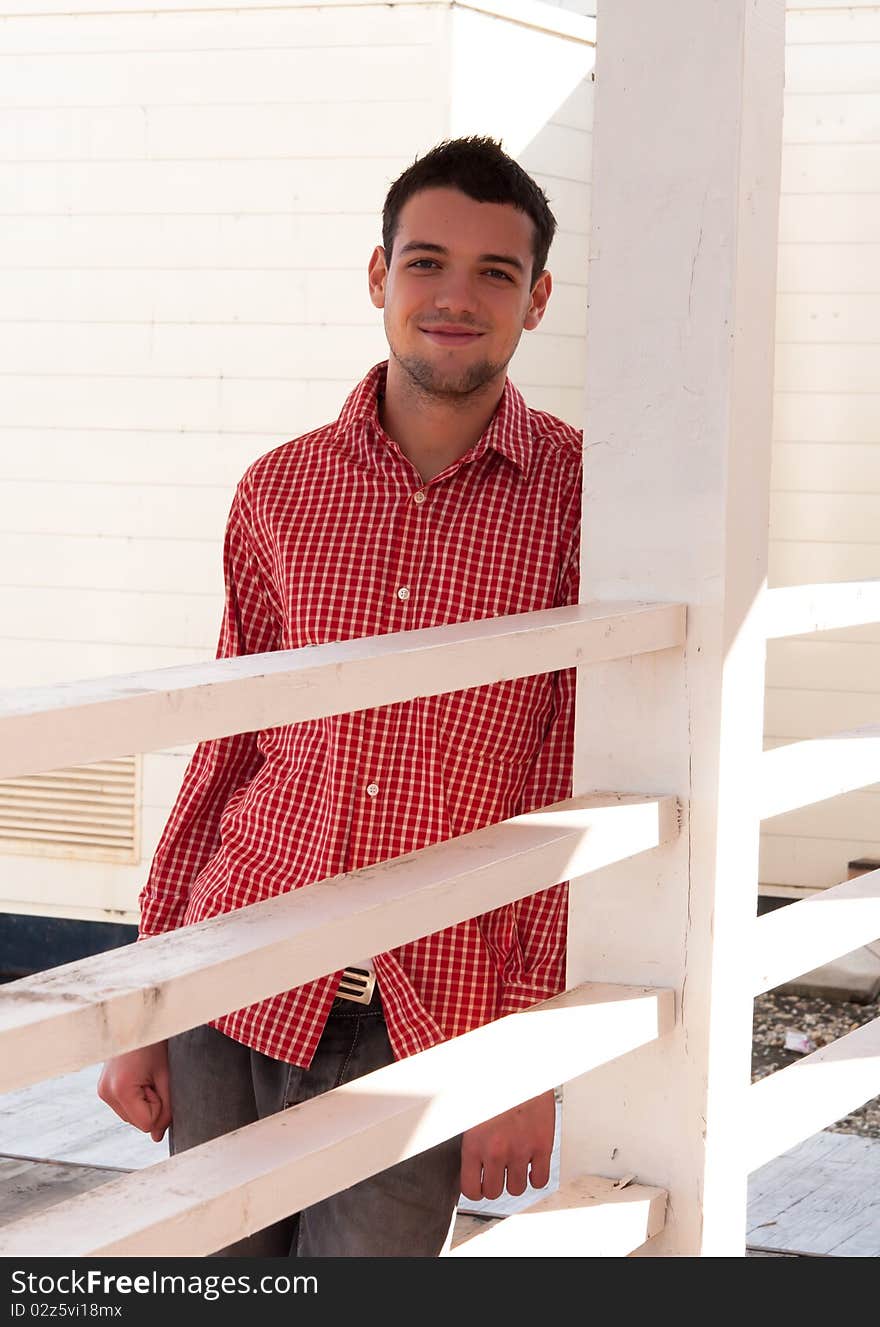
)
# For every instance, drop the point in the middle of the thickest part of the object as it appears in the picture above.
(481, 169)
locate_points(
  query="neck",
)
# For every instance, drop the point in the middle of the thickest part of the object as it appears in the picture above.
(434, 431)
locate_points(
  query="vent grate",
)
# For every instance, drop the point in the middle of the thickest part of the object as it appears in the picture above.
(86, 811)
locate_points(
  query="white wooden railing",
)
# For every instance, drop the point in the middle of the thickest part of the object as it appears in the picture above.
(84, 1012)
(788, 1106)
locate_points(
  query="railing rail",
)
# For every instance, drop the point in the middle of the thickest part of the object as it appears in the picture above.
(71, 1016)
(205, 1198)
(799, 610)
(795, 1102)
(80, 722)
(801, 773)
(792, 940)
(610, 1218)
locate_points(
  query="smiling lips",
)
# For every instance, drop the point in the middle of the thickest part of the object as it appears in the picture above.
(450, 335)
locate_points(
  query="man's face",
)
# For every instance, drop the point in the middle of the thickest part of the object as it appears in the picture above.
(458, 292)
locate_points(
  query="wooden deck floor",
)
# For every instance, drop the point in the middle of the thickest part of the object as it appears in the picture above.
(821, 1199)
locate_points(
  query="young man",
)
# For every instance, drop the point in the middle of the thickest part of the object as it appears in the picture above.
(436, 497)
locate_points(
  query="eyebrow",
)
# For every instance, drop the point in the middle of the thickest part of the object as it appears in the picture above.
(426, 247)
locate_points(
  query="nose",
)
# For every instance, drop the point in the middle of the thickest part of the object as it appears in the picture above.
(455, 294)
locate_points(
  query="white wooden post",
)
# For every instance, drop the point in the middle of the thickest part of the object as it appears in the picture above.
(685, 176)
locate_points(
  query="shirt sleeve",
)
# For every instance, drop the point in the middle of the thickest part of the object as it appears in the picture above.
(534, 968)
(221, 765)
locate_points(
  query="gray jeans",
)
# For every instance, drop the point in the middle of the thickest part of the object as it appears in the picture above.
(218, 1085)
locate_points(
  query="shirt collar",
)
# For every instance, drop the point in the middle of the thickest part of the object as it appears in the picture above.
(509, 431)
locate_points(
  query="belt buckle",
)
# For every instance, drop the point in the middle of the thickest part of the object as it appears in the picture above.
(357, 985)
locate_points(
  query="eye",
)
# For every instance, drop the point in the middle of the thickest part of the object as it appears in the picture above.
(496, 271)
(424, 262)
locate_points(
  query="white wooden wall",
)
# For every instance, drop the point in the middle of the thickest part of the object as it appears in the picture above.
(825, 503)
(189, 200)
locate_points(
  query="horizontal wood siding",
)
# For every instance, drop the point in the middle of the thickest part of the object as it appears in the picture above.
(193, 197)
(825, 504)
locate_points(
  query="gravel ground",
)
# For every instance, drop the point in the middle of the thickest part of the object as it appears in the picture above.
(822, 1021)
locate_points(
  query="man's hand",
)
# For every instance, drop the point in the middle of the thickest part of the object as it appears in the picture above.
(136, 1086)
(513, 1142)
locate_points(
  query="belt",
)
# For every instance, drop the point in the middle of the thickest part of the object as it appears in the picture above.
(357, 985)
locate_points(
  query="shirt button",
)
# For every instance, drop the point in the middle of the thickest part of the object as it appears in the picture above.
(372, 789)
(403, 592)
(419, 497)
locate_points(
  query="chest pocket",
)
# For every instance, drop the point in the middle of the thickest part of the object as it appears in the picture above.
(503, 723)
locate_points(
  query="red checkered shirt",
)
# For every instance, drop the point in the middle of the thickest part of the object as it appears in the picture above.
(334, 536)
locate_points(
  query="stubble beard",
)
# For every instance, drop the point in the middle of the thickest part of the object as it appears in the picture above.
(452, 385)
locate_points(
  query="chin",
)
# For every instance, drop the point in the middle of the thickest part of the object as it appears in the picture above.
(459, 381)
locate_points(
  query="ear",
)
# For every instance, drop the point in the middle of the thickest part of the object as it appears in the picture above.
(538, 301)
(378, 275)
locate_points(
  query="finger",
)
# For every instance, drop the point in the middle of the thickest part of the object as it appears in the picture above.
(141, 1107)
(517, 1181)
(161, 1117)
(470, 1182)
(140, 1117)
(160, 1125)
(109, 1098)
(163, 1090)
(539, 1172)
(120, 1111)
(493, 1179)
(106, 1090)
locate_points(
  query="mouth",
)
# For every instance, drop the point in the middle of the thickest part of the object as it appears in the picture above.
(451, 336)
